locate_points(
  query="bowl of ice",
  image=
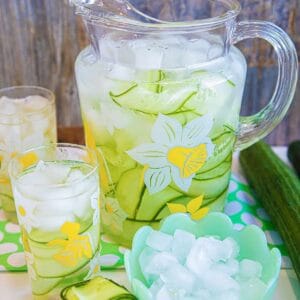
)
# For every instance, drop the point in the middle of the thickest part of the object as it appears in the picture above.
(206, 260)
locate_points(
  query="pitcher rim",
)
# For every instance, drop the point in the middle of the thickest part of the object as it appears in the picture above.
(233, 8)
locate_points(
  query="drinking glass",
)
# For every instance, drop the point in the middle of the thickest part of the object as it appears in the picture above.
(27, 119)
(56, 191)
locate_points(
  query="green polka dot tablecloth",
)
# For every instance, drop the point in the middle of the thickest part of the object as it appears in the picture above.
(242, 207)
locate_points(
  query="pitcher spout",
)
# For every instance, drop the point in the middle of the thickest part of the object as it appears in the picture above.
(111, 9)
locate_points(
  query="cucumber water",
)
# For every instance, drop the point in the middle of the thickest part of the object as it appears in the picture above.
(164, 135)
(57, 204)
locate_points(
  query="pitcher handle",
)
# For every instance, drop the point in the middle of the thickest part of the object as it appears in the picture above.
(255, 127)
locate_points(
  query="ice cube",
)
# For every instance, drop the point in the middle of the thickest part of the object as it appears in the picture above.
(228, 295)
(231, 248)
(34, 178)
(231, 267)
(164, 294)
(159, 241)
(217, 282)
(182, 244)
(11, 137)
(82, 205)
(216, 249)
(58, 173)
(202, 294)
(145, 259)
(39, 123)
(198, 260)
(196, 52)
(108, 50)
(160, 263)
(253, 289)
(215, 51)
(173, 57)
(53, 223)
(41, 166)
(120, 72)
(32, 140)
(156, 286)
(83, 185)
(179, 277)
(148, 55)
(54, 208)
(34, 103)
(8, 106)
(74, 176)
(167, 292)
(213, 248)
(249, 269)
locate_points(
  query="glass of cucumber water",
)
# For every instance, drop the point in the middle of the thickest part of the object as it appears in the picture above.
(56, 191)
(27, 119)
(161, 90)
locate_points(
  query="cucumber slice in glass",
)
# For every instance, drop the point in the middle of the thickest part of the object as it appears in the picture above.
(209, 188)
(47, 267)
(42, 286)
(150, 204)
(217, 171)
(130, 189)
(141, 99)
(224, 144)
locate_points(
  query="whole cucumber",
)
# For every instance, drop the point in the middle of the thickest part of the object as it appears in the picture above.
(294, 155)
(278, 189)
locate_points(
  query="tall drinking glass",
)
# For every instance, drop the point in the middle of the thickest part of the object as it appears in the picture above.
(27, 119)
(56, 191)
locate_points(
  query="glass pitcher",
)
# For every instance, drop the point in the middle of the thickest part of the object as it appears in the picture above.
(161, 90)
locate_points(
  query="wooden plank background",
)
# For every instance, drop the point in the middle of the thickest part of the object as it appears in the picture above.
(39, 41)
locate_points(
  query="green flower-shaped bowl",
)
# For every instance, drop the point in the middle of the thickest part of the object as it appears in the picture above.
(252, 242)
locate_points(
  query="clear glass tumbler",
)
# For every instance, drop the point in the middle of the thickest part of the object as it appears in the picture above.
(56, 191)
(27, 119)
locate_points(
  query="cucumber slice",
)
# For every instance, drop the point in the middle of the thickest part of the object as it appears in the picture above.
(215, 204)
(141, 99)
(42, 286)
(151, 80)
(184, 117)
(209, 188)
(40, 236)
(97, 288)
(117, 162)
(164, 210)
(130, 189)
(224, 144)
(47, 267)
(215, 93)
(8, 203)
(217, 171)
(150, 204)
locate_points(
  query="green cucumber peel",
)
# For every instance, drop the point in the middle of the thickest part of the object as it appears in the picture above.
(84, 264)
(44, 243)
(112, 95)
(6, 196)
(230, 82)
